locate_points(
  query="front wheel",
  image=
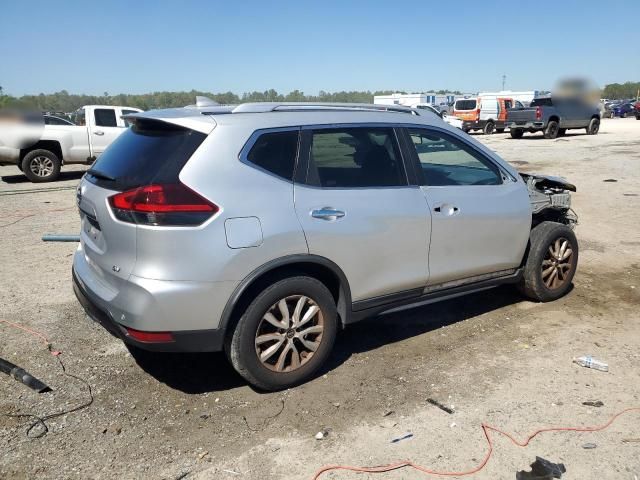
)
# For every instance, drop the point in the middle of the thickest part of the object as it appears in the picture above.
(594, 127)
(551, 262)
(516, 133)
(285, 334)
(488, 128)
(41, 166)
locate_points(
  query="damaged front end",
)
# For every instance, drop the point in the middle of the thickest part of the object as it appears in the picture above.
(550, 199)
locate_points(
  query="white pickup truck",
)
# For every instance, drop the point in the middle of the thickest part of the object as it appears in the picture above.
(96, 126)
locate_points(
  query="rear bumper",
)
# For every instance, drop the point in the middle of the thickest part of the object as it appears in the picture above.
(526, 125)
(188, 310)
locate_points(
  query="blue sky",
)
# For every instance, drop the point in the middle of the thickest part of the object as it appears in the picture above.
(137, 47)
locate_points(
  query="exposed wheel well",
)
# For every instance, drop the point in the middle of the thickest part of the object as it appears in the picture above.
(554, 119)
(336, 285)
(51, 145)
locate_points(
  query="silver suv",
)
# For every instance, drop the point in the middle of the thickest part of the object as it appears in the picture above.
(263, 229)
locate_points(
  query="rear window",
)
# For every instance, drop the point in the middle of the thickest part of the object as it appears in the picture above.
(465, 105)
(148, 152)
(541, 102)
(276, 152)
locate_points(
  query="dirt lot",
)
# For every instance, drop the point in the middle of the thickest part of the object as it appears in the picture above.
(493, 356)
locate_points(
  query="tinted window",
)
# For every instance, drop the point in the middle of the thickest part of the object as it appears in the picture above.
(148, 152)
(355, 157)
(105, 117)
(51, 120)
(507, 104)
(541, 102)
(276, 153)
(447, 161)
(127, 112)
(465, 105)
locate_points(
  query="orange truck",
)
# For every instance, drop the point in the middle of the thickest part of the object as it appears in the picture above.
(487, 113)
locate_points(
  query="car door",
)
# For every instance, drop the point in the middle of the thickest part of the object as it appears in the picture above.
(481, 216)
(356, 208)
(104, 129)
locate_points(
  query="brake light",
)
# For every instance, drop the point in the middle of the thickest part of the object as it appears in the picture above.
(167, 204)
(538, 113)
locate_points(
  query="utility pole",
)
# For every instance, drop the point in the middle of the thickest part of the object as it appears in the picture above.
(504, 79)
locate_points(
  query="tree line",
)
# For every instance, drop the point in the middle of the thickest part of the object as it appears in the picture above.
(625, 90)
(63, 101)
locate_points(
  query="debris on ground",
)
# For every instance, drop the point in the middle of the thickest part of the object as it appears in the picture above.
(589, 362)
(442, 407)
(592, 403)
(612, 180)
(23, 376)
(406, 436)
(387, 413)
(589, 446)
(542, 469)
(324, 433)
(631, 440)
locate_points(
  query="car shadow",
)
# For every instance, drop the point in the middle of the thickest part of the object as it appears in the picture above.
(196, 373)
(21, 177)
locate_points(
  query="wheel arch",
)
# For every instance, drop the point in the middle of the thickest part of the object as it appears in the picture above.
(52, 145)
(553, 118)
(320, 268)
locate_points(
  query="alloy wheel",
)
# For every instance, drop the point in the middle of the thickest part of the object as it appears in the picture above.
(289, 333)
(41, 166)
(557, 263)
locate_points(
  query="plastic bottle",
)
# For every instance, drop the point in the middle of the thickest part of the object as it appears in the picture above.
(590, 362)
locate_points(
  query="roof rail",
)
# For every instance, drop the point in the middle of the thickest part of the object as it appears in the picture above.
(261, 107)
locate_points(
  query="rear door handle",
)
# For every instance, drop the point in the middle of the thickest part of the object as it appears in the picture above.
(98, 132)
(327, 213)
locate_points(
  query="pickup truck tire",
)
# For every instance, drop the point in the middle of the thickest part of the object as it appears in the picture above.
(552, 130)
(282, 358)
(516, 133)
(562, 132)
(489, 128)
(551, 262)
(499, 130)
(41, 166)
(594, 127)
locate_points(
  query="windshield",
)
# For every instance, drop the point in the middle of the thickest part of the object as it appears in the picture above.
(465, 105)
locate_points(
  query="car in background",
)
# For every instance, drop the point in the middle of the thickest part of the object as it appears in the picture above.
(623, 110)
(55, 120)
(636, 110)
(553, 116)
(179, 251)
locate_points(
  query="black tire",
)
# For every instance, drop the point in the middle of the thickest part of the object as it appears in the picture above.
(241, 346)
(637, 117)
(499, 130)
(41, 166)
(562, 132)
(594, 126)
(543, 238)
(552, 130)
(516, 133)
(466, 130)
(623, 115)
(489, 128)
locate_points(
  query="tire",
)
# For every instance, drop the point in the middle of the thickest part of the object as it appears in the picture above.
(637, 117)
(594, 126)
(516, 133)
(623, 115)
(466, 130)
(242, 348)
(552, 130)
(41, 166)
(545, 238)
(489, 128)
(499, 130)
(562, 132)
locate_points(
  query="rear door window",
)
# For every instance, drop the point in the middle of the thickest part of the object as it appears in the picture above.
(446, 161)
(355, 158)
(465, 105)
(541, 102)
(105, 117)
(275, 152)
(148, 152)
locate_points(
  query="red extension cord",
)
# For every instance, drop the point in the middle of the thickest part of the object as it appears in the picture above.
(483, 463)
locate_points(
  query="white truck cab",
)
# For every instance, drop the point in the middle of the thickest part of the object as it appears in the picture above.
(95, 127)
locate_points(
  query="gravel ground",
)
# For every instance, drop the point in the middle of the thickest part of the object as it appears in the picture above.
(492, 357)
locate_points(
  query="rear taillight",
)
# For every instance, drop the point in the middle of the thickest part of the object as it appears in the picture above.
(538, 113)
(168, 205)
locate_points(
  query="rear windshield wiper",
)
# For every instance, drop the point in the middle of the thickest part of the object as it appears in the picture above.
(99, 174)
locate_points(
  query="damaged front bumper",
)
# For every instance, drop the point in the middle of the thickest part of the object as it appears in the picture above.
(550, 198)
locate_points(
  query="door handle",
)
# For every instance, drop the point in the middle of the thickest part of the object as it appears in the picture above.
(98, 132)
(327, 213)
(447, 209)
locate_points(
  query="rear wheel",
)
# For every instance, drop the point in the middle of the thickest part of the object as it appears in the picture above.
(594, 126)
(516, 133)
(551, 262)
(488, 128)
(285, 334)
(552, 130)
(499, 130)
(41, 166)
